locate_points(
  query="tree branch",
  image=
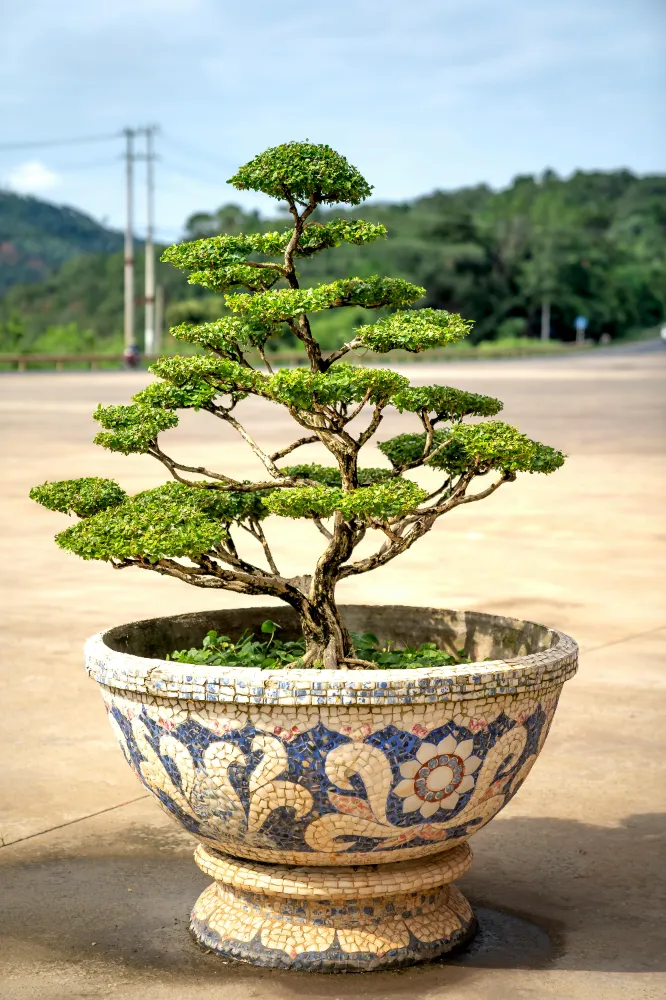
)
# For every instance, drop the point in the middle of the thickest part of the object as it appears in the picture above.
(418, 462)
(262, 354)
(172, 465)
(430, 432)
(357, 409)
(421, 522)
(254, 528)
(506, 478)
(210, 575)
(229, 555)
(322, 528)
(265, 264)
(267, 550)
(445, 485)
(339, 548)
(341, 351)
(300, 329)
(284, 482)
(292, 447)
(376, 420)
(299, 417)
(266, 460)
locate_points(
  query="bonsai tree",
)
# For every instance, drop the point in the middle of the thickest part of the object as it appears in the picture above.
(191, 528)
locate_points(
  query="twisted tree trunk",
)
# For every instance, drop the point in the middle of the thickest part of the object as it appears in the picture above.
(327, 639)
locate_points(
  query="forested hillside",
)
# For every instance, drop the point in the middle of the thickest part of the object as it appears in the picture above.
(594, 244)
(36, 238)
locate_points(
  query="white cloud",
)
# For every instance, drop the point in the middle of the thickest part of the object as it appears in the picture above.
(32, 177)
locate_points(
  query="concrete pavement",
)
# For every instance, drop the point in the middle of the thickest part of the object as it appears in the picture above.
(96, 884)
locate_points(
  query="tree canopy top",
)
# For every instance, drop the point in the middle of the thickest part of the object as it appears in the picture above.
(303, 171)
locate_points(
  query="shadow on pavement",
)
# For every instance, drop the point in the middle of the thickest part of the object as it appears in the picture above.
(597, 911)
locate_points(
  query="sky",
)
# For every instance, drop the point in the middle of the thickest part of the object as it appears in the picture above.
(418, 95)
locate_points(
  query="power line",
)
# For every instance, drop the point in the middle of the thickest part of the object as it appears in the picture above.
(88, 166)
(199, 154)
(190, 176)
(60, 142)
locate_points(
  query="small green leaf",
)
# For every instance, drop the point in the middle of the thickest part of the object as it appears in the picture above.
(340, 384)
(282, 305)
(414, 330)
(83, 497)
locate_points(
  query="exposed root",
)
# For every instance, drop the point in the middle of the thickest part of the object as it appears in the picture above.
(354, 663)
(306, 660)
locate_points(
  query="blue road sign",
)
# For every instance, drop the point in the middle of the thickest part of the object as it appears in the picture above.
(580, 322)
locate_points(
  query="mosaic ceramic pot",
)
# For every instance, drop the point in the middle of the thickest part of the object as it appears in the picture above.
(333, 808)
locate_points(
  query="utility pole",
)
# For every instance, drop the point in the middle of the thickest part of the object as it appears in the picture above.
(159, 317)
(545, 320)
(129, 239)
(150, 338)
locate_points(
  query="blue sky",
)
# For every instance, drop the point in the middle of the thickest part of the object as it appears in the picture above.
(419, 95)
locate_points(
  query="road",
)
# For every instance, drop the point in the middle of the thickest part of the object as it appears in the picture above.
(96, 885)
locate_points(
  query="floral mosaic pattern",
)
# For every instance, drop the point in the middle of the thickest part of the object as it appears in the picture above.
(324, 794)
(438, 776)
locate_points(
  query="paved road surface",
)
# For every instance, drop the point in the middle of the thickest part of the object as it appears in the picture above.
(95, 884)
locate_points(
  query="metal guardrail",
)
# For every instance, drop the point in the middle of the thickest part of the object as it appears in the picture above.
(59, 361)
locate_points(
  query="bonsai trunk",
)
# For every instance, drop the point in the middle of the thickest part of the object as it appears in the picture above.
(327, 639)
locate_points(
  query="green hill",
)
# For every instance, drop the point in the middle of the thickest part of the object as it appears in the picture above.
(37, 238)
(593, 244)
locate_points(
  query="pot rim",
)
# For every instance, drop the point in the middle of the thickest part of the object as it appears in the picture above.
(166, 679)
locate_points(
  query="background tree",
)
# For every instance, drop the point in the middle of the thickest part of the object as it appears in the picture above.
(227, 219)
(190, 528)
(594, 243)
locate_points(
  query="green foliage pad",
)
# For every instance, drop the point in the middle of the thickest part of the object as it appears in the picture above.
(83, 497)
(475, 447)
(170, 521)
(302, 171)
(287, 303)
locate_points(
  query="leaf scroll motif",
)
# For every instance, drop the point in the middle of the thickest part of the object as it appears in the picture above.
(214, 790)
(549, 709)
(371, 766)
(266, 792)
(356, 817)
(489, 794)
(152, 769)
(207, 794)
(350, 805)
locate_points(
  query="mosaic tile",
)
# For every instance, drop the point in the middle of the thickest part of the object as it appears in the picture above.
(333, 920)
(320, 786)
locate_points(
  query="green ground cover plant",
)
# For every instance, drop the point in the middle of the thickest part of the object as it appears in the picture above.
(273, 653)
(191, 528)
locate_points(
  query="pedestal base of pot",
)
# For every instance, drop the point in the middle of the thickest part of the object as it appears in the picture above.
(364, 918)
